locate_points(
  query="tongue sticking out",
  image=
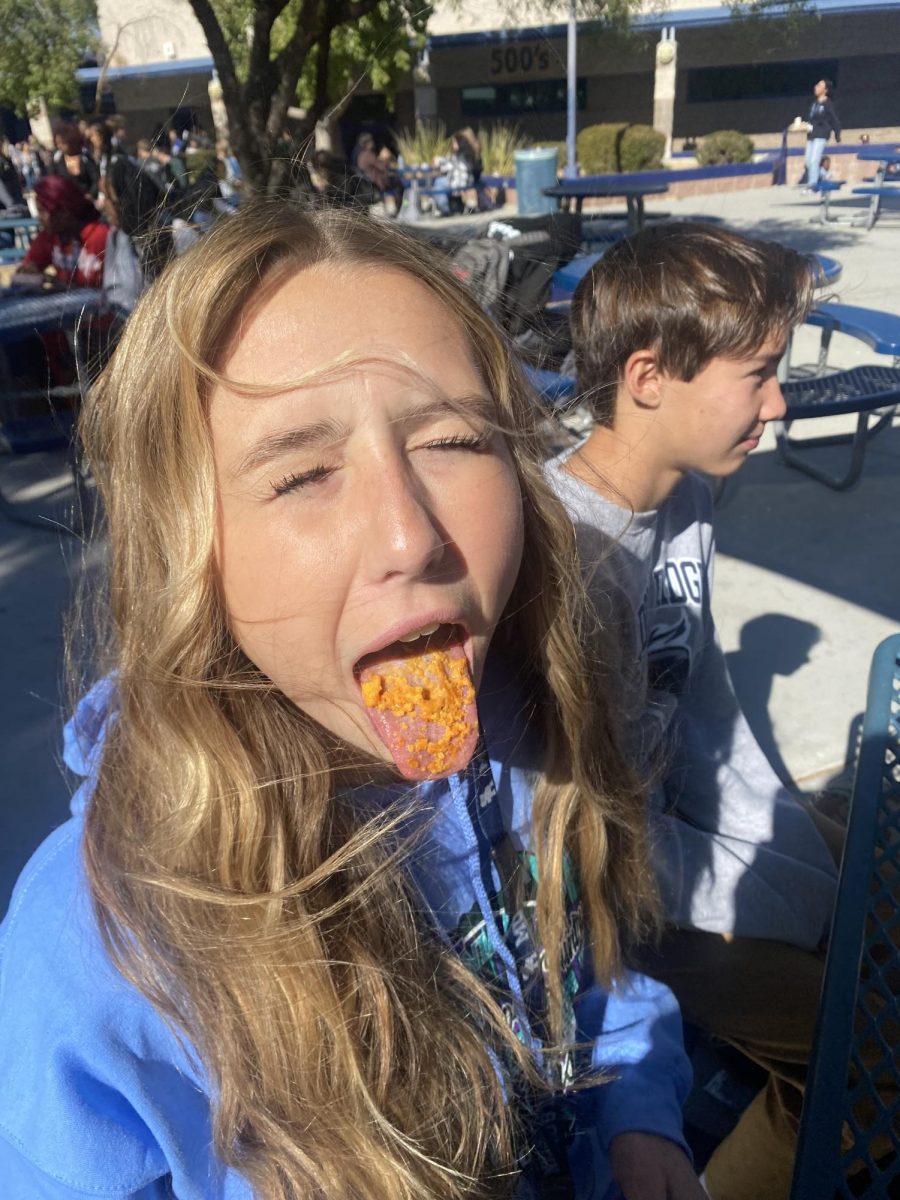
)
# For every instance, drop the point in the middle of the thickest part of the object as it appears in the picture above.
(423, 709)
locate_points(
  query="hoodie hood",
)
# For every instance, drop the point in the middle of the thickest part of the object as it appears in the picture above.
(84, 735)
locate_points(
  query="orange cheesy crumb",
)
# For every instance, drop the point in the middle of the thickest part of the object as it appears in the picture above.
(434, 689)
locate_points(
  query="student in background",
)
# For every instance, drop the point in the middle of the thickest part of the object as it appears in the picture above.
(458, 172)
(72, 237)
(72, 241)
(72, 160)
(821, 123)
(230, 179)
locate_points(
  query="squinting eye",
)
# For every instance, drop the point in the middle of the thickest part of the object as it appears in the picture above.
(297, 480)
(459, 441)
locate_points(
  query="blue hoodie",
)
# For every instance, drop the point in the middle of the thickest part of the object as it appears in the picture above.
(101, 1099)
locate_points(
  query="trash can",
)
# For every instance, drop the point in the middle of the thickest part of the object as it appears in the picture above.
(535, 170)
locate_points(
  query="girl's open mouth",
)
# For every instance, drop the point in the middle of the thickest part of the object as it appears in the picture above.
(419, 695)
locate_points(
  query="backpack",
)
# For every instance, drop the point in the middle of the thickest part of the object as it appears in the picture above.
(483, 266)
(123, 278)
(137, 195)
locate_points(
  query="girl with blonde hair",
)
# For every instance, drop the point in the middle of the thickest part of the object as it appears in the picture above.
(292, 942)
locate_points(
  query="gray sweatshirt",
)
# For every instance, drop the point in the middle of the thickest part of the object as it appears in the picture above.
(735, 851)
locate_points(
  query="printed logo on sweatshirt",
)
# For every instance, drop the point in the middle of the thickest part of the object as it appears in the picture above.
(678, 581)
(664, 622)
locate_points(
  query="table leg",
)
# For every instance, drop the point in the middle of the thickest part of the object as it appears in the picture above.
(635, 214)
(824, 345)
(409, 208)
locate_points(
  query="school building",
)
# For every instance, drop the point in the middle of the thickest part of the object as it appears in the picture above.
(687, 64)
(717, 72)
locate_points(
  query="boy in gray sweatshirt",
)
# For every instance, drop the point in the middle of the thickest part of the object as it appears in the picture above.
(677, 334)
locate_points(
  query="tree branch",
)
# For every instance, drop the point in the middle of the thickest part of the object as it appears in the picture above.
(218, 48)
(108, 57)
(349, 11)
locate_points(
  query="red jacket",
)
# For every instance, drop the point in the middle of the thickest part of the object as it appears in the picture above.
(78, 262)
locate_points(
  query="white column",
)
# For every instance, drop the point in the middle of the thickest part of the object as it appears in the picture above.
(664, 85)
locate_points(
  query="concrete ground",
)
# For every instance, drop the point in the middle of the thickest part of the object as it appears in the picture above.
(807, 580)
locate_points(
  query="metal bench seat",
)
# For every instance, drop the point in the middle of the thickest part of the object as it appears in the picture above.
(880, 331)
(825, 188)
(28, 435)
(876, 193)
(557, 391)
(866, 391)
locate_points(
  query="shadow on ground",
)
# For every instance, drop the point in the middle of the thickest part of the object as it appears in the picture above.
(771, 644)
(843, 543)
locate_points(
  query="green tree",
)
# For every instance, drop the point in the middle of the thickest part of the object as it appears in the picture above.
(42, 43)
(271, 53)
(378, 48)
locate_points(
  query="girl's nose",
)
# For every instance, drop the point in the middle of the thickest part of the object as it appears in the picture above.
(404, 536)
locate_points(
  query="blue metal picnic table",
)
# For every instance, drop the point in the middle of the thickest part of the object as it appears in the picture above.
(415, 177)
(851, 1111)
(23, 313)
(23, 222)
(880, 156)
(878, 330)
(883, 186)
(23, 229)
(598, 187)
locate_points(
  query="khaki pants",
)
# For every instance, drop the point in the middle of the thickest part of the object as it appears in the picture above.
(761, 996)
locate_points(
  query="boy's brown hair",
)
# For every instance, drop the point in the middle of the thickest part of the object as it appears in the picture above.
(690, 293)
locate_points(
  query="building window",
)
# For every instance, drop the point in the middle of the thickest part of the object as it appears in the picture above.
(758, 81)
(520, 99)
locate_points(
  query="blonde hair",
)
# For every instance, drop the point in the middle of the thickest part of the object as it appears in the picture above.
(349, 1053)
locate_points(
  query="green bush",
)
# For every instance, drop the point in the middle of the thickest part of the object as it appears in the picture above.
(642, 148)
(598, 148)
(605, 149)
(724, 146)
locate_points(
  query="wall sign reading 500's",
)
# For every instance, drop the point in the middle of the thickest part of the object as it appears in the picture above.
(510, 59)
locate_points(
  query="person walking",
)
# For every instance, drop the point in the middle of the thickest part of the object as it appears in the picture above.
(72, 159)
(820, 124)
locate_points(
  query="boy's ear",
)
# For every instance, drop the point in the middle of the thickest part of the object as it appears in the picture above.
(643, 378)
